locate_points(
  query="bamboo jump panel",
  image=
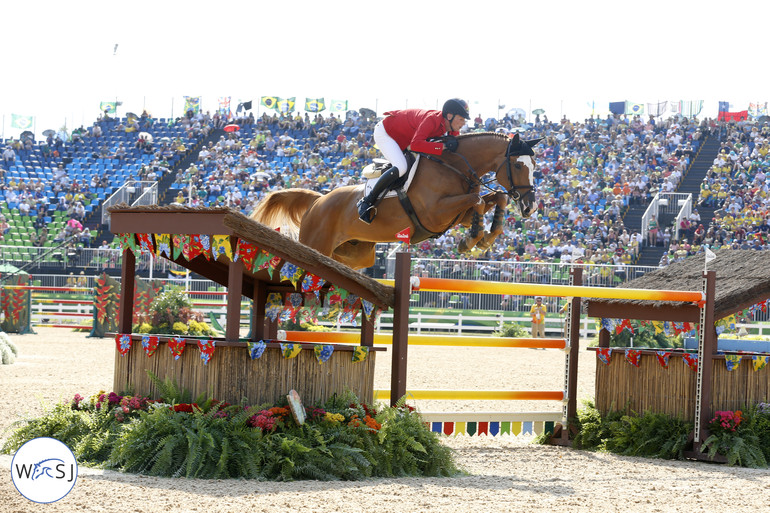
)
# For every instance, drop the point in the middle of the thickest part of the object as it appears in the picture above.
(650, 387)
(231, 375)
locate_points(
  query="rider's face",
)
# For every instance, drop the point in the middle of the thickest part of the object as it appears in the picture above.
(457, 123)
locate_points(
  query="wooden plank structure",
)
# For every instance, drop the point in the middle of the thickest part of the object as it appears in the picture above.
(737, 280)
(231, 375)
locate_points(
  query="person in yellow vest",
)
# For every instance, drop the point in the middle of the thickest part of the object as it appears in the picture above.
(537, 312)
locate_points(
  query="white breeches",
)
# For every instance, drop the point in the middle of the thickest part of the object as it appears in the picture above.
(389, 148)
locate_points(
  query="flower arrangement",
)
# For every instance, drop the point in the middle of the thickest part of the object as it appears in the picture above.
(171, 313)
(175, 435)
(725, 421)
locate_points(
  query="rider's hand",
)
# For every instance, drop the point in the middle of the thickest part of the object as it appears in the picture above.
(450, 143)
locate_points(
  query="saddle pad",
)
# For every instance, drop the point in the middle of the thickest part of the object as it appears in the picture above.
(369, 184)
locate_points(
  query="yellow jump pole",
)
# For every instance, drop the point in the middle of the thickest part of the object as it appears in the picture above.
(536, 289)
(336, 337)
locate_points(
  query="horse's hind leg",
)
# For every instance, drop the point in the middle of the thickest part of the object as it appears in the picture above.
(358, 254)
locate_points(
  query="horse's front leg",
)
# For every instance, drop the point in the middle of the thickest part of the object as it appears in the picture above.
(500, 201)
(474, 219)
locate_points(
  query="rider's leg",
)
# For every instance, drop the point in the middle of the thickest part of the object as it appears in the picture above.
(391, 151)
(366, 204)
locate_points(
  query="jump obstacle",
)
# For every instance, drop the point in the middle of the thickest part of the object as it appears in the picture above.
(256, 285)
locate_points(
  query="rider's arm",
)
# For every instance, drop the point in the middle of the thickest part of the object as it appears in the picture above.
(430, 127)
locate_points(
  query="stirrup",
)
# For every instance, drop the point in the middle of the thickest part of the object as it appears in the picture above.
(367, 216)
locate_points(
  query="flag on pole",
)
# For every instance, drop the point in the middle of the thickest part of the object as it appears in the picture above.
(405, 235)
(224, 105)
(22, 122)
(284, 105)
(636, 109)
(108, 107)
(315, 104)
(192, 103)
(269, 101)
(338, 105)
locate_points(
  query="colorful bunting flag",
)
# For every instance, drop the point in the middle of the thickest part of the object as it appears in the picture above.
(312, 283)
(273, 305)
(632, 356)
(360, 353)
(123, 343)
(207, 349)
(176, 345)
(604, 354)
(760, 361)
(323, 352)
(144, 243)
(127, 242)
(732, 361)
(177, 246)
(163, 244)
(367, 307)
(691, 360)
(290, 350)
(663, 357)
(291, 272)
(246, 251)
(150, 344)
(221, 247)
(256, 349)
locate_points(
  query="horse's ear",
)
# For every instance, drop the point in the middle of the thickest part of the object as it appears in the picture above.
(533, 142)
(515, 138)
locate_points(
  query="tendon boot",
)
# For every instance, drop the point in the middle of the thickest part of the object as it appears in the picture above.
(366, 210)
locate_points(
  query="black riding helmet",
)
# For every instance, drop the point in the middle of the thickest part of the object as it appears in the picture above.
(456, 106)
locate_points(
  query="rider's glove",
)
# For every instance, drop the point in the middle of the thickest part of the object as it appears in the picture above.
(450, 143)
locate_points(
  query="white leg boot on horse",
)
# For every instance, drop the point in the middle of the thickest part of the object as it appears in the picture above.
(367, 205)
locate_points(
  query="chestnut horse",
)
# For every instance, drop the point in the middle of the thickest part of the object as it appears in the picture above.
(445, 191)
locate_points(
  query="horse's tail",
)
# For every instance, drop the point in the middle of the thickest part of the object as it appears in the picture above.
(284, 209)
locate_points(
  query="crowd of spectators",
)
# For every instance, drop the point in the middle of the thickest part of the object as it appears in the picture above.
(588, 173)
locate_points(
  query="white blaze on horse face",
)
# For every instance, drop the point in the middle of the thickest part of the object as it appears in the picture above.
(530, 163)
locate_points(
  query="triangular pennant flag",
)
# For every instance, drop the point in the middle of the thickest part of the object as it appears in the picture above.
(188, 251)
(290, 350)
(150, 344)
(292, 306)
(732, 361)
(632, 356)
(200, 244)
(309, 312)
(163, 244)
(178, 246)
(123, 343)
(273, 305)
(312, 283)
(663, 357)
(604, 354)
(207, 349)
(176, 345)
(367, 307)
(691, 360)
(360, 353)
(127, 241)
(323, 352)
(760, 361)
(221, 247)
(337, 294)
(256, 349)
(261, 258)
(405, 235)
(291, 272)
(145, 243)
(658, 327)
(247, 252)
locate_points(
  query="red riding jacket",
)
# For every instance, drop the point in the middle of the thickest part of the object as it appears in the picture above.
(411, 128)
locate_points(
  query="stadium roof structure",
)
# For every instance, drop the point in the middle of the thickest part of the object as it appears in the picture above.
(742, 280)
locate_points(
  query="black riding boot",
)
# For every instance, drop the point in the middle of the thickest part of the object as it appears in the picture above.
(366, 210)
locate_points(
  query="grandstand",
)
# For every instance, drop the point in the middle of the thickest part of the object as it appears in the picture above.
(598, 183)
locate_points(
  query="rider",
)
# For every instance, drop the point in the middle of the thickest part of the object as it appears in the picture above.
(411, 128)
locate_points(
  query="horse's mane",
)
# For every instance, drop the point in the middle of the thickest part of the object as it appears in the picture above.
(483, 134)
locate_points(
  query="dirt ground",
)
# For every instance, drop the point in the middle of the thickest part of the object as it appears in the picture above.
(505, 473)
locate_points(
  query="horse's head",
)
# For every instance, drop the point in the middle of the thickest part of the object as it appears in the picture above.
(517, 173)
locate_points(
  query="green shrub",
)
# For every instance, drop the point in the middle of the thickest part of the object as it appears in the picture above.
(512, 329)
